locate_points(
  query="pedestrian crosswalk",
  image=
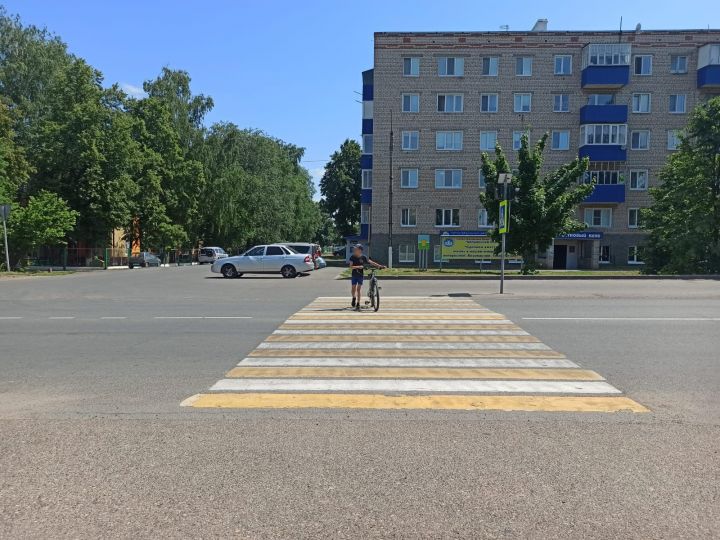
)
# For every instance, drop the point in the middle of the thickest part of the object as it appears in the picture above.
(415, 353)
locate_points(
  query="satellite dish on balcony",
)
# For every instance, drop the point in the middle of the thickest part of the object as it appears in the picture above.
(638, 27)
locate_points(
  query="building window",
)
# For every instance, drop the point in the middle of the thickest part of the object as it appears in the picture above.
(411, 67)
(605, 254)
(517, 139)
(641, 103)
(490, 66)
(678, 64)
(410, 140)
(523, 102)
(601, 99)
(523, 66)
(677, 103)
(364, 214)
(447, 217)
(367, 179)
(367, 109)
(673, 139)
(638, 180)
(635, 255)
(561, 103)
(449, 140)
(563, 64)
(640, 139)
(602, 175)
(406, 253)
(633, 218)
(482, 218)
(448, 178)
(411, 103)
(367, 144)
(607, 54)
(603, 134)
(450, 103)
(488, 139)
(408, 178)
(643, 64)
(451, 67)
(482, 184)
(560, 140)
(489, 103)
(598, 217)
(408, 217)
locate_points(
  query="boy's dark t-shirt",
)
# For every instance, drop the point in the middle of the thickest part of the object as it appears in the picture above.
(357, 261)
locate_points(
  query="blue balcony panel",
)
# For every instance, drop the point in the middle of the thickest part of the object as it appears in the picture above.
(366, 196)
(366, 161)
(607, 193)
(603, 114)
(603, 152)
(364, 231)
(367, 92)
(605, 76)
(708, 77)
(367, 126)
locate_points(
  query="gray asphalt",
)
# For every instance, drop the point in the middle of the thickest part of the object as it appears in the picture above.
(93, 442)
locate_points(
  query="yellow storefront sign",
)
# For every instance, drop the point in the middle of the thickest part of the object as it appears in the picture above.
(469, 247)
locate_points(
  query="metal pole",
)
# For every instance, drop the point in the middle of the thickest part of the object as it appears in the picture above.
(502, 253)
(390, 198)
(7, 248)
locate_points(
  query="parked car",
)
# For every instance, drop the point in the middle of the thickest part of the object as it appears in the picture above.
(270, 259)
(320, 262)
(143, 259)
(305, 248)
(339, 251)
(211, 254)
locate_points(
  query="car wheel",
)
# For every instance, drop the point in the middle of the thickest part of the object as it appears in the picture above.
(288, 271)
(229, 271)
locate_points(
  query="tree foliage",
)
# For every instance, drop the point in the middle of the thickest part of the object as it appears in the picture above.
(340, 187)
(542, 205)
(684, 220)
(146, 165)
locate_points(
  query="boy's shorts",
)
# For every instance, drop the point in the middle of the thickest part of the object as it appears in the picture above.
(356, 280)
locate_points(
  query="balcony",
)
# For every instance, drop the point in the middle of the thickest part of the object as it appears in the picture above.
(366, 196)
(607, 193)
(603, 152)
(364, 231)
(708, 74)
(605, 77)
(603, 114)
(367, 126)
(366, 161)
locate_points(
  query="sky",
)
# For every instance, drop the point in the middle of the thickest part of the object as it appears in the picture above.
(293, 68)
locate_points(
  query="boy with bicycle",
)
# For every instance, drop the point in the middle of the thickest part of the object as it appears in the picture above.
(358, 261)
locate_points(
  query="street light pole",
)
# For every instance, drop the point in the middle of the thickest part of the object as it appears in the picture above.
(390, 197)
(5, 212)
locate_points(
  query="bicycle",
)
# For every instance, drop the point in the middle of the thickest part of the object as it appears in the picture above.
(373, 291)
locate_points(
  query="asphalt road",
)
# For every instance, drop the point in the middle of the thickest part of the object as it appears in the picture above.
(93, 442)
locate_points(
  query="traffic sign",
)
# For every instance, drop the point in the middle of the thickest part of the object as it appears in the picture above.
(504, 218)
(4, 211)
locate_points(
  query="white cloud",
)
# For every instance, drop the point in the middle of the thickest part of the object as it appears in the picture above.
(317, 175)
(132, 90)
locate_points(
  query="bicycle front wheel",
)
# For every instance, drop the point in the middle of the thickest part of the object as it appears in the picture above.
(376, 298)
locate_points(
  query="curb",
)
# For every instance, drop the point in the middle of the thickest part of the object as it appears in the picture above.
(713, 277)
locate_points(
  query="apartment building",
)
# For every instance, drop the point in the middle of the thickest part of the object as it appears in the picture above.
(619, 98)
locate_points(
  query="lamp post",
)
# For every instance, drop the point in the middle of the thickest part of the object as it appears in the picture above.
(503, 223)
(390, 197)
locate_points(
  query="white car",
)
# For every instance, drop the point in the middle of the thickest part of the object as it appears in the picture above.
(271, 259)
(211, 254)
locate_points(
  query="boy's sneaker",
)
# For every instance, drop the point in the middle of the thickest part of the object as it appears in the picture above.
(357, 308)
(353, 301)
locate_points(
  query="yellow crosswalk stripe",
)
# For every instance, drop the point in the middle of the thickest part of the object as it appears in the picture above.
(425, 339)
(438, 401)
(414, 353)
(417, 373)
(400, 326)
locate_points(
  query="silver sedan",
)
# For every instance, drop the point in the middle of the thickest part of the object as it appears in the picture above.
(271, 259)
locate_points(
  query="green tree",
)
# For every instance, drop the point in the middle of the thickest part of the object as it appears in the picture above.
(542, 206)
(44, 221)
(684, 219)
(14, 167)
(340, 187)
